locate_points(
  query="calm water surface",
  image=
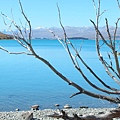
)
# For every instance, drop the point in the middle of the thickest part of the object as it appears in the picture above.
(25, 81)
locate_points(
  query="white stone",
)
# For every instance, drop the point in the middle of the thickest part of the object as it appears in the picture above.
(67, 106)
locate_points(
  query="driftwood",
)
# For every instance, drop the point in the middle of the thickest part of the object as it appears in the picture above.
(107, 116)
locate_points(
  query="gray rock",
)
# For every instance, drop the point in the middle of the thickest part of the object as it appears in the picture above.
(35, 107)
(17, 109)
(67, 106)
(57, 105)
(27, 116)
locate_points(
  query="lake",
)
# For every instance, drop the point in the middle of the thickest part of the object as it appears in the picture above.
(25, 81)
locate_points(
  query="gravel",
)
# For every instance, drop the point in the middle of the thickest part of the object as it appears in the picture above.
(43, 114)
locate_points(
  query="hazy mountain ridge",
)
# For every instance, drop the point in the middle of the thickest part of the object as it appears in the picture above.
(85, 32)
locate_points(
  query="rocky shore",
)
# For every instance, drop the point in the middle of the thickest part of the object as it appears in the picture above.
(44, 114)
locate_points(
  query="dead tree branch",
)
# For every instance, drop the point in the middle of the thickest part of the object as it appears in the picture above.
(107, 116)
(26, 43)
(110, 45)
(75, 63)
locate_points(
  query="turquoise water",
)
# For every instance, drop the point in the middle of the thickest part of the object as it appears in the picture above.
(25, 81)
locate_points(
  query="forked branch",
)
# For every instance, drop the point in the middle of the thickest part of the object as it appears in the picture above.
(75, 62)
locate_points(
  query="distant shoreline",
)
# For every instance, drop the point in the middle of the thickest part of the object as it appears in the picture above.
(71, 38)
(5, 36)
(78, 38)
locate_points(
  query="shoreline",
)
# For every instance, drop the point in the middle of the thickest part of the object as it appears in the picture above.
(43, 114)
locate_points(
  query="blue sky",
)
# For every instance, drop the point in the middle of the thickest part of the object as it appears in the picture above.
(73, 12)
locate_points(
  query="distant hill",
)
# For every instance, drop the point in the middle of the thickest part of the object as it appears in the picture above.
(72, 32)
(5, 36)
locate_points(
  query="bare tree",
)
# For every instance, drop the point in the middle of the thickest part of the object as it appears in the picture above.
(24, 38)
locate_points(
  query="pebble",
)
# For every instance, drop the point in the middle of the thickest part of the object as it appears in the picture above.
(35, 107)
(83, 107)
(67, 106)
(118, 105)
(57, 105)
(17, 109)
(43, 114)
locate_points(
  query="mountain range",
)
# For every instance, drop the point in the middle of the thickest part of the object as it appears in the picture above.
(84, 32)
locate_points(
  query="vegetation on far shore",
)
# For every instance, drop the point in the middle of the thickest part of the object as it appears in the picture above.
(5, 36)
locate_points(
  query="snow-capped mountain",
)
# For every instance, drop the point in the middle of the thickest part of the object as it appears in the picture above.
(85, 32)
